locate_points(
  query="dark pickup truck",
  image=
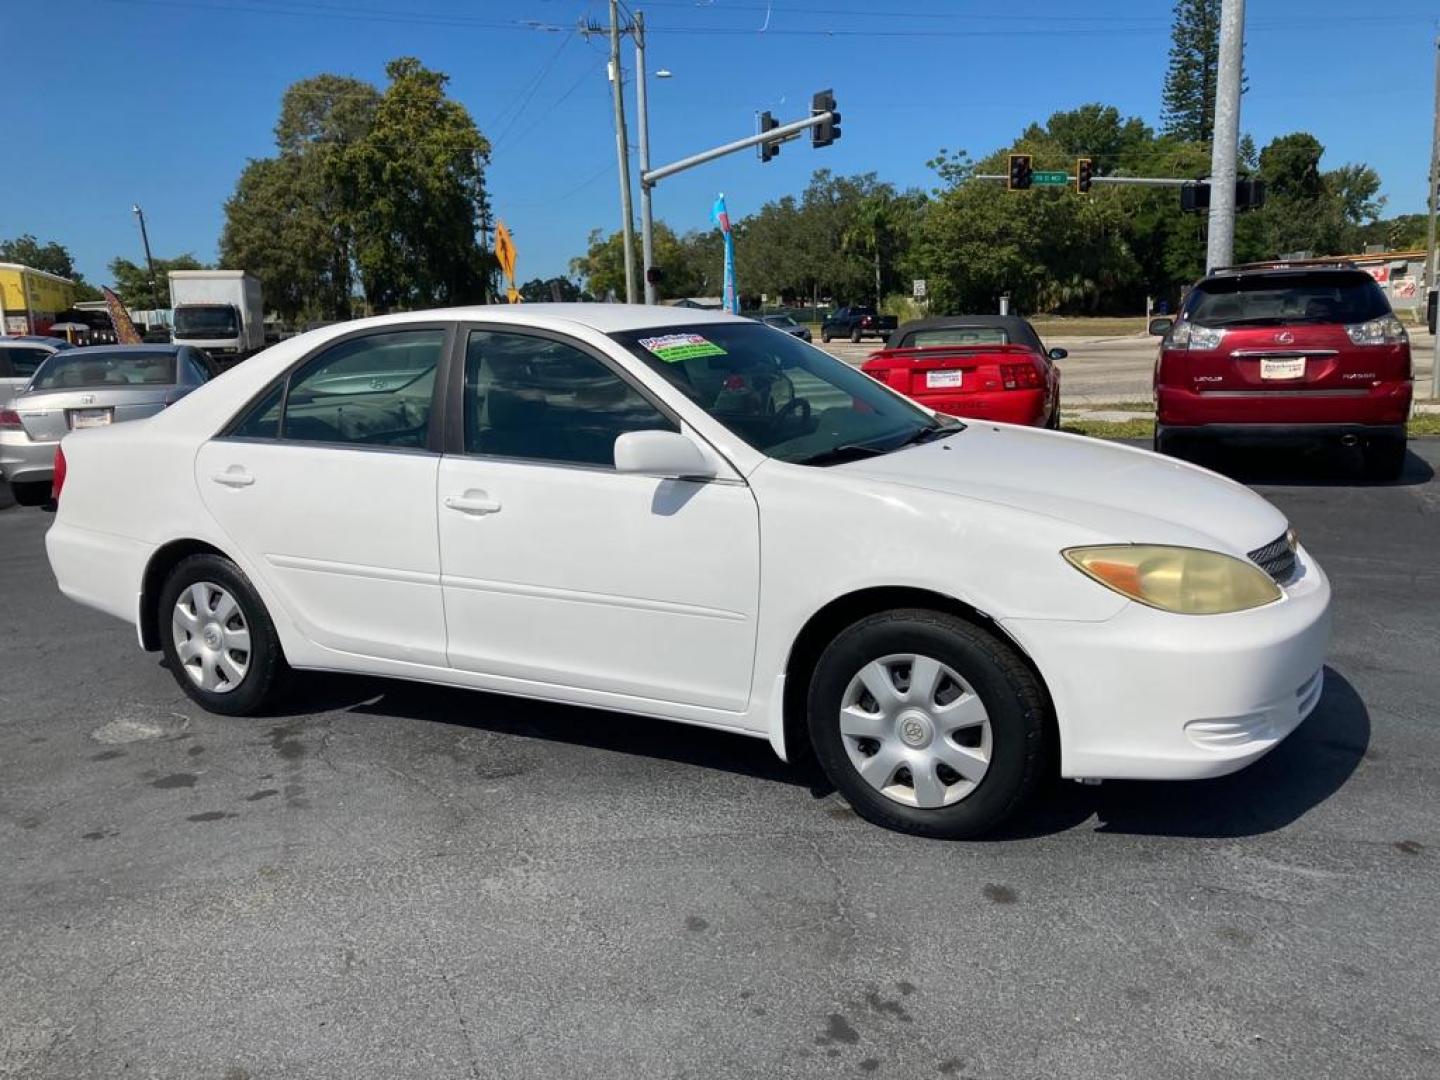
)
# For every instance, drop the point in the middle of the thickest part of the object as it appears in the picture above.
(856, 323)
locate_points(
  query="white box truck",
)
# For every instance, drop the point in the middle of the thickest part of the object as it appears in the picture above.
(219, 311)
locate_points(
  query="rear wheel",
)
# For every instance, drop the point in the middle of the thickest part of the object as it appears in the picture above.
(927, 724)
(855, 337)
(31, 492)
(824, 337)
(218, 639)
(1385, 459)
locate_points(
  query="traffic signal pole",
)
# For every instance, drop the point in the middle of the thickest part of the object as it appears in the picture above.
(784, 131)
(1226, 137)
(647, 216)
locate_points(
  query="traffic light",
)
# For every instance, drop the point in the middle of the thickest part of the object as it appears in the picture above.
(1249, 195)
(1084, 172)
(828, 130)
(768, 149)
(1020, 173)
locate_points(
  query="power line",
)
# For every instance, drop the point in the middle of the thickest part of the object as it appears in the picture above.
(525, 96)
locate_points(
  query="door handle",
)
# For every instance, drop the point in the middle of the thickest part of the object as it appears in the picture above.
(234, 477)
(475, 503)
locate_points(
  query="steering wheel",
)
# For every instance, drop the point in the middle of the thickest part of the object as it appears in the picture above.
(794, 405)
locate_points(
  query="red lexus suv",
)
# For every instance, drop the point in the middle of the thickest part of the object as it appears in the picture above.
(1285, 353)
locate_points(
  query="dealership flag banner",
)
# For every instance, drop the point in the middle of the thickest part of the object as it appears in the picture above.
(721, 217)
(125, 332)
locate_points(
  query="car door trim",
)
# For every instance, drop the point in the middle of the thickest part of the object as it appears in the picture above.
(580, 596)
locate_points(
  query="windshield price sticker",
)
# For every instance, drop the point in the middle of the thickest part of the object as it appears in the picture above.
(672, 348)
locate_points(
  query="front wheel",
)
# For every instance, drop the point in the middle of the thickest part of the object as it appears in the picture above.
(218, 639)
(927, 724)
(855, 337)
(824, 337)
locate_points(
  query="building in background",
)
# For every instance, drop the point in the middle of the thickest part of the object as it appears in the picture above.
(31, 300)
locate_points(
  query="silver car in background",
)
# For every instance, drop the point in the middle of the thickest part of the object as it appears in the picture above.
(90, 387)
(20, 358)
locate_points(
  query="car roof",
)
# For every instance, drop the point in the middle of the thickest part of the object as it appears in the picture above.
(157, 347)
(603, 318)
(35, 339)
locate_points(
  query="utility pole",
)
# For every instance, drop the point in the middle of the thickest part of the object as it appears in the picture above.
(1430, 257)
(647, 219)
(1226, 136)
(149, 262)
(622, 151)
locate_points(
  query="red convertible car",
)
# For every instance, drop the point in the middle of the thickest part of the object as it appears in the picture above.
(984, 367)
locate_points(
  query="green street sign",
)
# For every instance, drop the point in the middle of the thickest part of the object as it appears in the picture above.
(1053, 179)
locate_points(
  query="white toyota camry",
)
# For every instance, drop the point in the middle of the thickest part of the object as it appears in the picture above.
(701, 518)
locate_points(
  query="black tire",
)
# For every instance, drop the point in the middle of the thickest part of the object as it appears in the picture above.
(265, 668)
(824, 337)
(31, 492)
(1053, 423)
(855, 337)
(1385, 459)
(1010, 692)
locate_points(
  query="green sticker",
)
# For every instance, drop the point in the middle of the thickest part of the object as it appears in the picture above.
(672, 348)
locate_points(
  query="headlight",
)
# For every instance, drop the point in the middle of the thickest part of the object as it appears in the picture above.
(1187, 581)
(1383, 331)
(1186, 335)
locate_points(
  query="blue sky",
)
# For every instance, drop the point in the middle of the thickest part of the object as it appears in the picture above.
(161, 102)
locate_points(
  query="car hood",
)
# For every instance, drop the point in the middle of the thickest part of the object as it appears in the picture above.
(1118, 493)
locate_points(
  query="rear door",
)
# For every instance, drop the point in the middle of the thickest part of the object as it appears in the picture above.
(1289, 332)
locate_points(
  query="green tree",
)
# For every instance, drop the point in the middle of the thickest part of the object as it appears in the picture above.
(1188, 97)
(133, 285)
(51, 257)
(285, 223)
(413, 192)
(548, 290)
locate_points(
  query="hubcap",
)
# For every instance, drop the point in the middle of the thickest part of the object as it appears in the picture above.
(212, 638)
(915, 730)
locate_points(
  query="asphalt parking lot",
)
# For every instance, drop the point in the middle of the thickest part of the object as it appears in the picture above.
(398, 881)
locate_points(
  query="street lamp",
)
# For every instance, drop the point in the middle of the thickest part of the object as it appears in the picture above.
(149, 262)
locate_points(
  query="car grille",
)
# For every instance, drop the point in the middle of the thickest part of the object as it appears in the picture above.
(1276, 558)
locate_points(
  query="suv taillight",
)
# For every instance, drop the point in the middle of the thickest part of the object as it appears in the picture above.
(10, 420)
(1386, 330)
(58, 481)
(1019, 377)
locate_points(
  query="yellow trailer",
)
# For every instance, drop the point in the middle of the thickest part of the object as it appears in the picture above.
(31, 299)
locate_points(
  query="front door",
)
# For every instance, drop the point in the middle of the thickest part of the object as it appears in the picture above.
(557, 569)
(327, 484)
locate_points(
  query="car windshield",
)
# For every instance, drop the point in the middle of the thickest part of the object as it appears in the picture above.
(88, 369)
(780, 320)
(206, 321)
(785, 398)
(1274, 299)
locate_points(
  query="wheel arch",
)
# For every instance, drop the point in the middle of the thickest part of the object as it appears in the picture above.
(165, 559)
(822, 627)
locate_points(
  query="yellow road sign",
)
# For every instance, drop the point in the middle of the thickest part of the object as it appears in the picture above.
(505, 250)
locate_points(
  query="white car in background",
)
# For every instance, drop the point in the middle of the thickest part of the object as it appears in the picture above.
(687, 515)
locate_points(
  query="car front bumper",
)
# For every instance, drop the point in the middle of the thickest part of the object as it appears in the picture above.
(23, 460)
(1149, 695)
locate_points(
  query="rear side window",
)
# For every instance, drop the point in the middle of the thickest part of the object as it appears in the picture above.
(22, 362)
(1273, 299)
(368, 391)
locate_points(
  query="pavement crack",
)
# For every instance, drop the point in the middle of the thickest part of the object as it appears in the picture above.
(454, 1005)
(840, 903)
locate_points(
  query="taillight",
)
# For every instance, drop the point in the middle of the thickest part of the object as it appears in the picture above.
(1019, 376)
(9, 419)
(58, 480)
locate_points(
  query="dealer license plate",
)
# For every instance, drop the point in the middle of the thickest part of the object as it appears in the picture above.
(937, 380)
(1283, 369)
(87, 418)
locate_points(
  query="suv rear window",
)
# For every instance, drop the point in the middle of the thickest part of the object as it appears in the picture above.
(1275, 298)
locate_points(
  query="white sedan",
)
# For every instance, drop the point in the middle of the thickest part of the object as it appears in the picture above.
(694, 516)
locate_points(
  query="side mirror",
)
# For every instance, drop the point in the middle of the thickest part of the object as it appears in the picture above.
(661, 453)
(1160, 327)
(1058, 354)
